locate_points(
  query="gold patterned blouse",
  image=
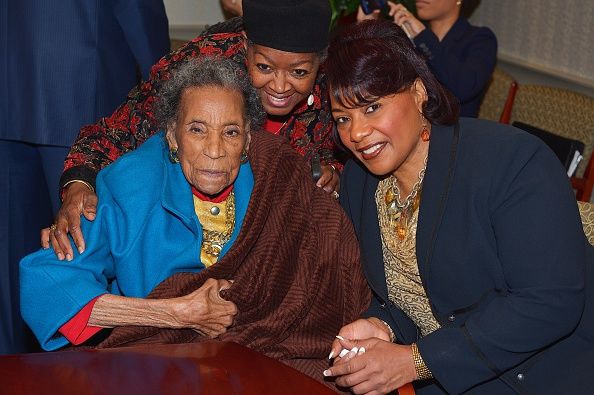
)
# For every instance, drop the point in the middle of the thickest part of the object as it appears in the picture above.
(217, 220)
(405, 289)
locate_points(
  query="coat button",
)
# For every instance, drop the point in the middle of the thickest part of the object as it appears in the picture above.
(520, 377)
(383, 305)
(451, 318)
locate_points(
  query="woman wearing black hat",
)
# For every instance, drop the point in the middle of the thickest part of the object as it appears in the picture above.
(280, 43)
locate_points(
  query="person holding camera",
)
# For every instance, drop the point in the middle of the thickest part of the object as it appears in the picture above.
(461, 56)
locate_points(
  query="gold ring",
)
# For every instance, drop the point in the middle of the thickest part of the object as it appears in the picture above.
(335, 195)
(53, 227)
(333, 170)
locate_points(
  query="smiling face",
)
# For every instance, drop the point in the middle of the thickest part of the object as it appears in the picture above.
(385, 135)
(210, 134)
(429, 10)
(283, 79)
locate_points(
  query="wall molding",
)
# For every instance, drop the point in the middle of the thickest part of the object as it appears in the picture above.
(544, 69)
(186, 32)
(547, 36)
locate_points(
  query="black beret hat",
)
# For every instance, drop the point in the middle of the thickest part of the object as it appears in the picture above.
(288, 25)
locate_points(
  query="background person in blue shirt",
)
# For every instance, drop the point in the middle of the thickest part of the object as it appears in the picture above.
(461, 56)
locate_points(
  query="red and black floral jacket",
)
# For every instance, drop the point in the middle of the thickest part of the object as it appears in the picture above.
(309, 128)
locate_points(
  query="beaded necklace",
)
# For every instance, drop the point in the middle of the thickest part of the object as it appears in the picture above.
(400, 213)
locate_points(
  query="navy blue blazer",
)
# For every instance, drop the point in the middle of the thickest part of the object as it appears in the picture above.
(463, 61)
(501, 255)
(65, 64)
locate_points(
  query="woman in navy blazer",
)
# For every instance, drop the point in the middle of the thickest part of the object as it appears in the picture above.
(470, 236)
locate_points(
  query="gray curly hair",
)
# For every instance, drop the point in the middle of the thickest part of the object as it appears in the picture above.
(207, 71)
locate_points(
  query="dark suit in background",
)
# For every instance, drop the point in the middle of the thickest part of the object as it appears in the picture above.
(463, 61)
(503, 259)
(62, 65)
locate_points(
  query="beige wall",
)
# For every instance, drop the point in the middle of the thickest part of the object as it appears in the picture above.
(188, 17)
(544, 41)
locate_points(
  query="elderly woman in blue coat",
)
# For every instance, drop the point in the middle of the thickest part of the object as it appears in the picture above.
(469, 233)
(218, 199)
(104, 287)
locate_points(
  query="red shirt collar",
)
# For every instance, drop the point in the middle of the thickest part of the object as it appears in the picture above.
(218, 198)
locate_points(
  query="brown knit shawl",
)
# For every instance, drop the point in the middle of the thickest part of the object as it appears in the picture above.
(295, 264)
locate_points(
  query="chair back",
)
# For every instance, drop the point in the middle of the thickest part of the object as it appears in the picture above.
(499, 97)
(587, 216)
(566, 113)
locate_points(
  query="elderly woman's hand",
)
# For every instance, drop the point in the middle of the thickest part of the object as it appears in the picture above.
(204, 310)
(330, 180)
(373, 366)
(78, 199)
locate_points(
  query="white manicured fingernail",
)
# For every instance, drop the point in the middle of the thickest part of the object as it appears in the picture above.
(339, 337)
(361, 351)
(326, 373)
(331, 354)
(343, 353)
(355, 350)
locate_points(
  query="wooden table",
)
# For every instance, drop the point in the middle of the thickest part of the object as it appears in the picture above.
(200, 368)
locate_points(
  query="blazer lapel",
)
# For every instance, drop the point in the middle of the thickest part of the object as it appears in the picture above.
(436, 186)
(371, 242)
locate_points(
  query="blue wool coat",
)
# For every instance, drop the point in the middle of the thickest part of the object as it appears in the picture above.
(503, 260)
(145, 230)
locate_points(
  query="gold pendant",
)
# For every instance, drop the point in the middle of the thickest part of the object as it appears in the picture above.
(402, 225)
(401, 231)
(389, 197)
(212, 248)
(216, 249)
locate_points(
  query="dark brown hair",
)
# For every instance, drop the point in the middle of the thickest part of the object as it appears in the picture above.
(374, 59)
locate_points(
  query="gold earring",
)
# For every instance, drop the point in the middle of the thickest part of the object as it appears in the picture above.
(244, 156)
(173, 158)
(459, 2)
(425, 135)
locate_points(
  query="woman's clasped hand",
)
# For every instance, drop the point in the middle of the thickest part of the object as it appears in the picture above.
(360, 354)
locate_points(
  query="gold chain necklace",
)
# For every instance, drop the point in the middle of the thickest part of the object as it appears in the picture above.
(213, 241)
(401, 213)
